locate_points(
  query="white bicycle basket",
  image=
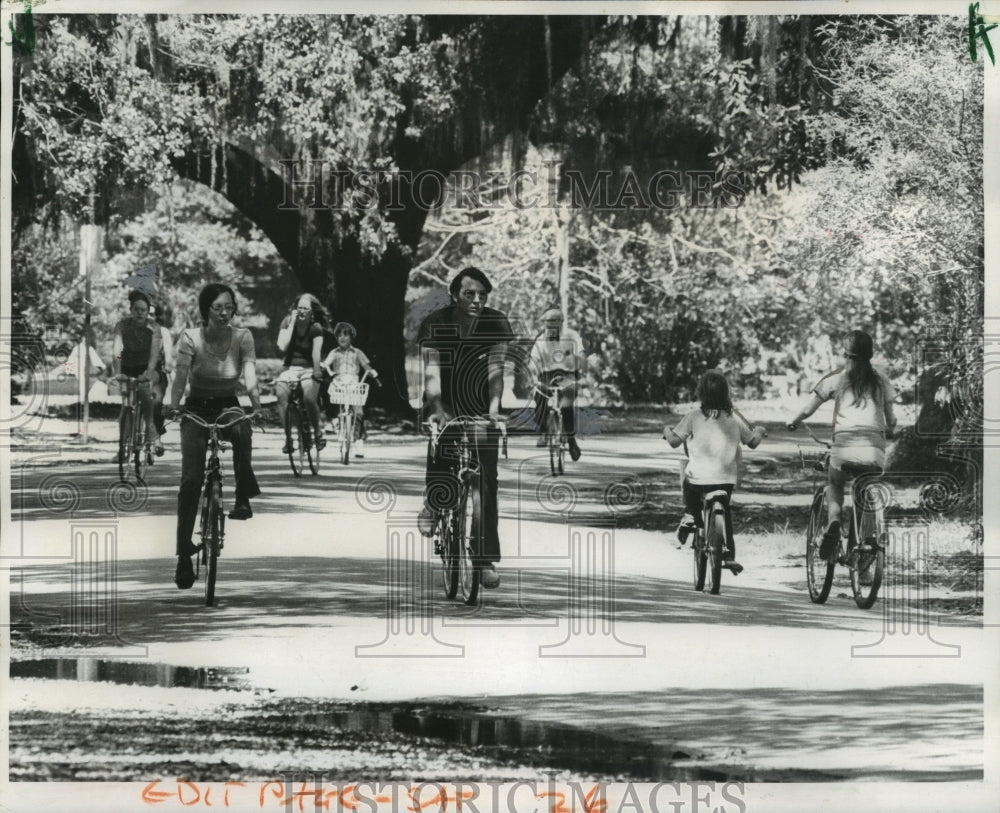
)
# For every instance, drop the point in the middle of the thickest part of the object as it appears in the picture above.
(350, 395)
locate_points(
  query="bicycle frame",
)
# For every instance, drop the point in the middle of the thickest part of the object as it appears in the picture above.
(864, 558)
(710, 542)
(459, 524)
(346, 417)
(134, 450)
(555, 432)
(213, 517)
(302, 447)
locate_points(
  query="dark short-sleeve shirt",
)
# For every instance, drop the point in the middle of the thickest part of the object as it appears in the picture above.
(137, 342)
(299, 352)
(465, 387)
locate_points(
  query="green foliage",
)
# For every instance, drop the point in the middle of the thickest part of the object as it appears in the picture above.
(189, 234)
(886, 235)
(111, 101)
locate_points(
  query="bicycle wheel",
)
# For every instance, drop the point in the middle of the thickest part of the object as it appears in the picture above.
(293, 435)
(555, 444)
(141, 453)
(346, 428)
(715, 544)
(867, 560)
(700, 559)
(212, 540)
(125, 428)
(450, 553)
(312, 450)
(470, 514)
(819, 574)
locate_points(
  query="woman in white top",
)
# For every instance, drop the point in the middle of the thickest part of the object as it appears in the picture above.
(713, 434)
(212, 358)
(863, 420)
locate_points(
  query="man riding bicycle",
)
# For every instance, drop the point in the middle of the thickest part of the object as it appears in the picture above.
(556, 358)
(464, 348)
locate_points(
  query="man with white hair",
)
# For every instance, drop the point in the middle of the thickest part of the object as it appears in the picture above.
(557, 356)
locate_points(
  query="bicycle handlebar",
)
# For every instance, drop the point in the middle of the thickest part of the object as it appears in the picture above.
(465, 421)
(195, 418)
(820, 441)
(555, 389)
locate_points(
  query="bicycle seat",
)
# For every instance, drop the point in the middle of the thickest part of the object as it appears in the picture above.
(718, 494)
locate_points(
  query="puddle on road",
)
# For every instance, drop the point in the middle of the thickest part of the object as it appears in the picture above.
(133, 674)
(535, 743)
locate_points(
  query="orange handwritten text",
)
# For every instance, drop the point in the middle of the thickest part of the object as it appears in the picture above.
(591, 802)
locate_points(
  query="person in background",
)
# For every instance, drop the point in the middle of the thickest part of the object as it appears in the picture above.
(300, 338)
(863, 421)
(557, 357)
(135, 352)
(712, 433)
(163, 316)
(345, 363)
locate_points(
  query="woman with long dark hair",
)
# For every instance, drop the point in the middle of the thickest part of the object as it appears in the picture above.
(863, 420)
(300, 338)
(212, 358)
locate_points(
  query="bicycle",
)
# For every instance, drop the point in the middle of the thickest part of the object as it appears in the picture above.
(709, 545)
(348, 398)
(134, 452)
(298, 433)
(457, 532)
(555, 433)
(213, 515)
(864, 559)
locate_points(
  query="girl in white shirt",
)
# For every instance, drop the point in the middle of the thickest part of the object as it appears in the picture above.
(712, 434)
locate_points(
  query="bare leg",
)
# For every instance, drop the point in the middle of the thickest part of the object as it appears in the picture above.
(835, 495)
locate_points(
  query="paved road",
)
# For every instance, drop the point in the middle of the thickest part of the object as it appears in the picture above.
(595, 635)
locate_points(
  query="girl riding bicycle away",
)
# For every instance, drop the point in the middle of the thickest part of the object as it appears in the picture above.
(136, 352)
(863, 420)
(345, 363)
(212, 358)
(300, 338)
(713, 434)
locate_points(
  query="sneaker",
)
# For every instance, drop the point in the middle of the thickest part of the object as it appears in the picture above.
(158, 449)
(287, 448)
(574, 449)
(733, 566)
(184, 575)
(542, 441)
(685, 529)
(320, 442)
(241, 510)
(831, 540)
(359, 448)
(490, 577)
(426, 521)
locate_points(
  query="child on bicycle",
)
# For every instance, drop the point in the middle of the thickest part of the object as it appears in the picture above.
(712, 435)
(345, 364)
(863, 420)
